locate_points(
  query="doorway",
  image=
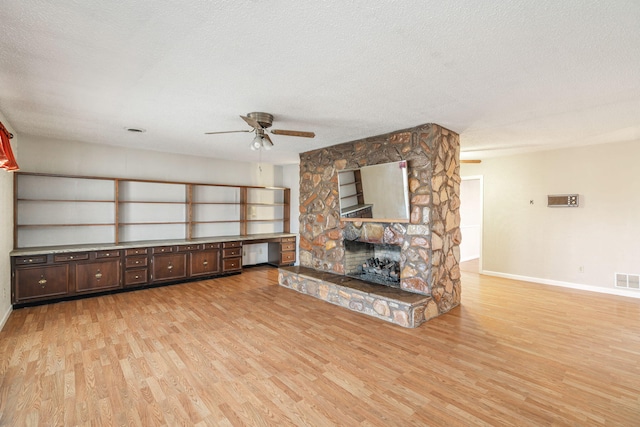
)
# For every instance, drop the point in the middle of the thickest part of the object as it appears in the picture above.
(471, 190)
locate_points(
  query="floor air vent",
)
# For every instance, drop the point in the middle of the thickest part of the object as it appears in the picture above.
(628, 281)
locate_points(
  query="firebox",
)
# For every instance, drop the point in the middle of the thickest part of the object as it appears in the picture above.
(377, 263)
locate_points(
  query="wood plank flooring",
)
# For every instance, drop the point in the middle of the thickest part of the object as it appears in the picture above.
(242, 350)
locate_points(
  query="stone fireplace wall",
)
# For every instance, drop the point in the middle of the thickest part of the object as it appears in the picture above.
(430, 252)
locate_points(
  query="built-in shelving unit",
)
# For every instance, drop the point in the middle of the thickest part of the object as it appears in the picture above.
(56, 210)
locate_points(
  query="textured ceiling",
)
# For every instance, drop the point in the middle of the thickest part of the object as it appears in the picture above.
(514, 74)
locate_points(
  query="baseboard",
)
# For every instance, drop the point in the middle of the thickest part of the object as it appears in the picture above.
(5, 317)
(469, 258)
(590, 288)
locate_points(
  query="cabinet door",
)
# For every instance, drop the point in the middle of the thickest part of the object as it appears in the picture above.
(98, 275)
(205, 262)
(169, 267)
(41, 282)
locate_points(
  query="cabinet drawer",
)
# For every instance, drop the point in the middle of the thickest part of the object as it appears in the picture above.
(184, 248)
(232, 245)
(212, 245)
(137, 251)
(136, 277)
(231, 264)
(230, 253)
(98, 275)
(284, 247)
(47, 281)
(107, 254)
(288, 239)
(135, 261)
(162, 249)
(287, 257)
(70, 257)
(28, 260)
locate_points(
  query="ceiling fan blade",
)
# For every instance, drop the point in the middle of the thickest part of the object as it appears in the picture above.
(227, 131)
(293, 133)
(251, 122)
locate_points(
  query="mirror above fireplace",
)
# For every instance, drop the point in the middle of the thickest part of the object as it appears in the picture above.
(376, 192)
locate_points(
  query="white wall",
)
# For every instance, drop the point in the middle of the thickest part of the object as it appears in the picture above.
(6, 230)
(581, 246)
(38, 154)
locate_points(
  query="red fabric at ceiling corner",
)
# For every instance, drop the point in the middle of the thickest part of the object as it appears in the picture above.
(7, 161)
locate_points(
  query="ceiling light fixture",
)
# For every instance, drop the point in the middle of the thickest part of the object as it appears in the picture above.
(260, 141)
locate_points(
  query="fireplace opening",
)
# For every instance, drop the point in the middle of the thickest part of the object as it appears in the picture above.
(376, 263)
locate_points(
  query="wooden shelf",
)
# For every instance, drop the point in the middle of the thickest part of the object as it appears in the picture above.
(110, 224)
(66, 201)
(196, 206)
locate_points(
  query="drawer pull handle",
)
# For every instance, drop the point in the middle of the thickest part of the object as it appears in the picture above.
(42, 281)
(70, 257)
(30, 260)
(137, 262)
(137, 277)
(98, 275)
(205, 262)
(170, 267)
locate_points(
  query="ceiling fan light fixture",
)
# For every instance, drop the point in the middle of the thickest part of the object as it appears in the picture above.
(256, 144)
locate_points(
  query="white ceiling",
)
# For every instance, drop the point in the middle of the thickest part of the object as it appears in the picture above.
(517, 74)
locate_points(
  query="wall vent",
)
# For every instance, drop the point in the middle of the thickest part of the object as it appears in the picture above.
(627, 281)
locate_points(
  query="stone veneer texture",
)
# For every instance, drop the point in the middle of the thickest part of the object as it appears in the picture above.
(430, 251)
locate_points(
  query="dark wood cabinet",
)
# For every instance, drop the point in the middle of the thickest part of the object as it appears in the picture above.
(43, 282)
(282, 252)
(98, 276)
(54, 275)
(168, 266)
(136, 266)
(231, 257)
(204, 262)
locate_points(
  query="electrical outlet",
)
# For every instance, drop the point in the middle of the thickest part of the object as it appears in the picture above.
(581, 269)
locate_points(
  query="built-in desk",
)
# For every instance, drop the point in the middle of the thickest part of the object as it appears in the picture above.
(46, 274)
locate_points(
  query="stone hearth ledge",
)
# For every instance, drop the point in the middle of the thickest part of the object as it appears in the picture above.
(393, 305)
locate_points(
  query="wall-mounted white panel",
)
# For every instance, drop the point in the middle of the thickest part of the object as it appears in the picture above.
(151, 192)
(216, 212)
(216, 229)
(60, 236)
(206, 193)
(152, 212)
(259, 195)
(265, 212)
(46, 187)
(264, 227)
(44, 212)
(130, 233)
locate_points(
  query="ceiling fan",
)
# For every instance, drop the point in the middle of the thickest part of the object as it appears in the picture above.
(260, 122)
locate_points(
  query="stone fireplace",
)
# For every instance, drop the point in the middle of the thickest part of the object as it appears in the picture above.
(428, 241)
(376, 263)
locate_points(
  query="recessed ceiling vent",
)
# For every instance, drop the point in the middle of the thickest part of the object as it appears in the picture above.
(136, 130)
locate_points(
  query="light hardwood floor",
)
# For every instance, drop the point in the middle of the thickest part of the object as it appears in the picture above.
(241, 350)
